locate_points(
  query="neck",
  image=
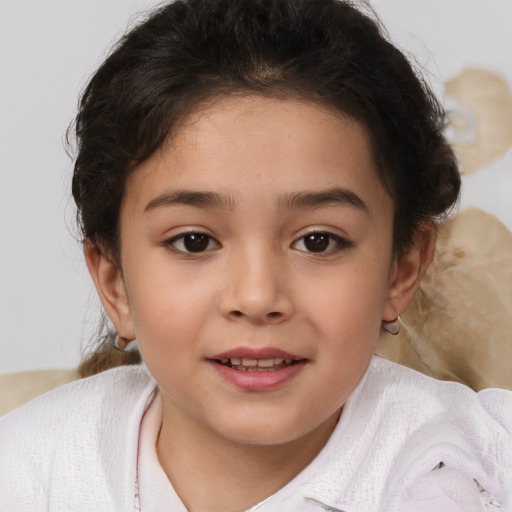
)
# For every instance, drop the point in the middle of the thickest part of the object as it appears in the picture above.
(211, 473)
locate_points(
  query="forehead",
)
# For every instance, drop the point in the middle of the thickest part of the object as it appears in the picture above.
(258, 145)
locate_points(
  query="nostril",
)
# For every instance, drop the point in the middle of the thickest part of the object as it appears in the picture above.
(271, 316)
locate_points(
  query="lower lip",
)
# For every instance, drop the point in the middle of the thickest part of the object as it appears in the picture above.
(257, 380)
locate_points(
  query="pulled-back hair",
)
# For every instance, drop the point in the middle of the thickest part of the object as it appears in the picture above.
(326, 51)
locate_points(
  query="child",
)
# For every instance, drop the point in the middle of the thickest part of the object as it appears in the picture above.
(258, 183)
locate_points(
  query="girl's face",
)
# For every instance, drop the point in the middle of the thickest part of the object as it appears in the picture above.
(256, 250)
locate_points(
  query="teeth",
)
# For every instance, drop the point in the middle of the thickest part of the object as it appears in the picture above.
(255, 364)
(254, 369)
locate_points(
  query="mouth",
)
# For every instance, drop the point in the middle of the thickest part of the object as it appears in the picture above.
(258, 370)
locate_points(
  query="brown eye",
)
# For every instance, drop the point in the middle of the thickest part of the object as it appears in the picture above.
(321, 242)
(192, 242)
(196, 242)
(317, 242)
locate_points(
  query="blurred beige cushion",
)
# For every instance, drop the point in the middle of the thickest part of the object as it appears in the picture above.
(19, 388)
(459, 325)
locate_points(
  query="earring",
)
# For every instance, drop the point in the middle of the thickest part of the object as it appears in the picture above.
(392, 327)
(121, 343)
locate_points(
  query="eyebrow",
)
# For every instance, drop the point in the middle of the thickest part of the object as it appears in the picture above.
(330, 197)
(292, 201)
(192, 198)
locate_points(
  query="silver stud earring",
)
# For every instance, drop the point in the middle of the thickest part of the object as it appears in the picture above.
(123, 344)
(392, 327)
(117, 343)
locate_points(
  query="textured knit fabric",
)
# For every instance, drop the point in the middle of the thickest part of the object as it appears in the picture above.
(404, 442)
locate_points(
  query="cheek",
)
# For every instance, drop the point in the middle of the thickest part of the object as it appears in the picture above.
(170, 309)
(349, 307)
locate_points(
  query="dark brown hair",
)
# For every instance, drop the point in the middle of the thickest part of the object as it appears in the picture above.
(327, 51)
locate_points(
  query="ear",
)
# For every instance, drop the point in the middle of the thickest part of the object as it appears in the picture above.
(408, 271)
(109, 282)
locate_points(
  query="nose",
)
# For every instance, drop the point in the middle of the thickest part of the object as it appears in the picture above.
(257, 289)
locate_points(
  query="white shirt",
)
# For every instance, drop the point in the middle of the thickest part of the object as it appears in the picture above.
(154, 488)
(76, 449)
(438, 488)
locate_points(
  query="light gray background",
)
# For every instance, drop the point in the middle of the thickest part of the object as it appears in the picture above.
(49, 48)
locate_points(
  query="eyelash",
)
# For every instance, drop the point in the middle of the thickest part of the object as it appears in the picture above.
(202, 238)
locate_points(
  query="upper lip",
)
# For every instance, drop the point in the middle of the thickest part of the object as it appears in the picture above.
(256, 353)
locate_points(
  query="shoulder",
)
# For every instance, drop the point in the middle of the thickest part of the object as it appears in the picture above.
(450, 411)
(87, 397)
(406, 441)
(72, 431)
(431, 423)
(396, 385)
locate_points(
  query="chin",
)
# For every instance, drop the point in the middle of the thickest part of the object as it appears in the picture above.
(279, 430)
(261, 433)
